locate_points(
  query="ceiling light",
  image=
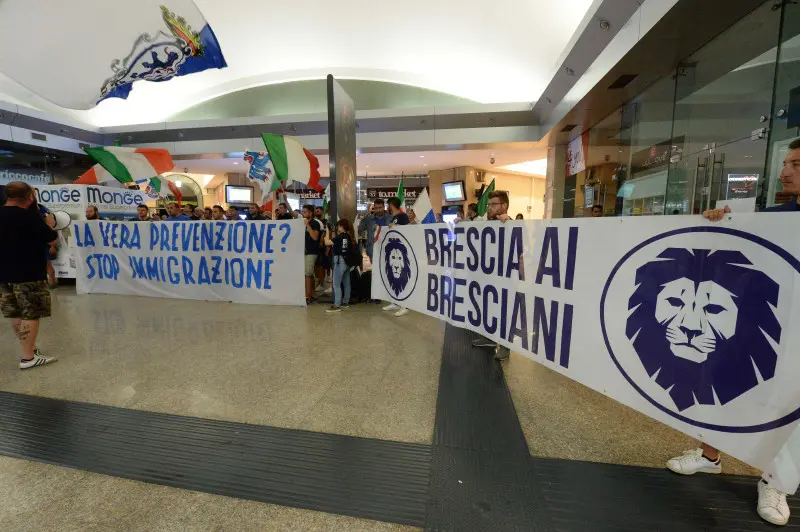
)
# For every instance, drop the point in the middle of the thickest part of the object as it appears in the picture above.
(537, 167)
(178, 183)
(421, 156)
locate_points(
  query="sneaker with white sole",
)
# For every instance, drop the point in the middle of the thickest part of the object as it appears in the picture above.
(332, 309)
(692, 462)
(38, 360)
(772, 506)
(391, 306)
(401, 312)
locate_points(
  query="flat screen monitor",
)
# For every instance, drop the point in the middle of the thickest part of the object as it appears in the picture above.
(237, 194)
(453, 191)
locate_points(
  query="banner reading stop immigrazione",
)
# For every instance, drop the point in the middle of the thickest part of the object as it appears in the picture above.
(244, 262)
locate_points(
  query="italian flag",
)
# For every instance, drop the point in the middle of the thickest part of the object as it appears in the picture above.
(125, 165)
(291, 161)
(97, 175)
(401, 193)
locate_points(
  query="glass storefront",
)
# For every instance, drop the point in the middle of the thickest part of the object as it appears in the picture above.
(38, 165)
(717, 129)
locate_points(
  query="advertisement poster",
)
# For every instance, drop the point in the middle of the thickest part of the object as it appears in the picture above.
(111, 203)
(688, 322)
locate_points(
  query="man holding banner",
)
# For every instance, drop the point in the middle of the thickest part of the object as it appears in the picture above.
(398, 217)
(772, 505)
(497, 209)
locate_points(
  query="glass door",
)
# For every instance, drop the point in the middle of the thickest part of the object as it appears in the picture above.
(722, 112)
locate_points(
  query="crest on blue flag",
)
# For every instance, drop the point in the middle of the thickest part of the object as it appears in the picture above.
(261, 171)
(162, 56)
(260, 168)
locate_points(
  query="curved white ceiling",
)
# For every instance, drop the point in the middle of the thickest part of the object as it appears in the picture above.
(490, 52)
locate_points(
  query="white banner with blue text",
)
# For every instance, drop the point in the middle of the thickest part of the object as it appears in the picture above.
(694, 324)
(242, 262)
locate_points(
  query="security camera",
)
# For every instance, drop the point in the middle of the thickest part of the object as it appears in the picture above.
(491, 160)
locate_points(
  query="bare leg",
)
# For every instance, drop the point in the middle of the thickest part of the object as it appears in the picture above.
(309, 287)
(26, 331)
(710, 452)
(51, 273)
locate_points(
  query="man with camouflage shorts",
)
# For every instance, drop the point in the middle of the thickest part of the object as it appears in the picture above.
(24, 297)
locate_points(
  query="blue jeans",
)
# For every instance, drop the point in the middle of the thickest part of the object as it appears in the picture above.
(341, 279)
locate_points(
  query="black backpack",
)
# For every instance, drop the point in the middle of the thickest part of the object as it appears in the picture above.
(353, 256)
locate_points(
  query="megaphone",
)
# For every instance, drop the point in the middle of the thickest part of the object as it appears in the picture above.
(63, 220)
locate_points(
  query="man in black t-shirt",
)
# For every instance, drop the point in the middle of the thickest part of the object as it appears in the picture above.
(283, 212)
(398, 217)
(313, 233)
(254, 212)
(24, 297)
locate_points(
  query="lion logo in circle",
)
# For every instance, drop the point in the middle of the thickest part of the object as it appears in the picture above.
(398, 267)
(702, 323)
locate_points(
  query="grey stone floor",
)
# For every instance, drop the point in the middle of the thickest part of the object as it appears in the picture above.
(360, 373)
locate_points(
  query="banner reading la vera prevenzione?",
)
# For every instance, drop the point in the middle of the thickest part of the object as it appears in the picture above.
(244, 262)
(691, 323)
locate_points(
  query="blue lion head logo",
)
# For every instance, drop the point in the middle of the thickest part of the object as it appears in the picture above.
(398, 267)
(701, 322)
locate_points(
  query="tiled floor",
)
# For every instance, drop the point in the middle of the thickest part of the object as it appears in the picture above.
(46, 497)
(360, 373)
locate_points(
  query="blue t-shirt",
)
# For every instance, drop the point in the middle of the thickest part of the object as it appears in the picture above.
(179, 218)
(790, 206)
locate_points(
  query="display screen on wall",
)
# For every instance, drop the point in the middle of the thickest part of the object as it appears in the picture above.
(741, 186)
(453, 191)
(237, 194)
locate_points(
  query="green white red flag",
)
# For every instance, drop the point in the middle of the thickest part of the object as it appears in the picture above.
(291, 161)
(125, 165)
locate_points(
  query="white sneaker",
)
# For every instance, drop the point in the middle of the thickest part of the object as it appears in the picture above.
(772, 506)
(692, 462)
(37, 360)
(401, 312)
(391, 306)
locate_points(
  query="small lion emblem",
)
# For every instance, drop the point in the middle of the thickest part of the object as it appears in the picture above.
(398, 266)
(702, 323)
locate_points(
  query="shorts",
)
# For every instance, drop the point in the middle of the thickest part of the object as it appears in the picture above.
(310, 262)
(27, 301)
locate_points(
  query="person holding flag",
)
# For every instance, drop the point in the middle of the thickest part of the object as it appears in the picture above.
(493, 205)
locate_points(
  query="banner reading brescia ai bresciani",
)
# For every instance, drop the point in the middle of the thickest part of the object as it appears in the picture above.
(686, 321)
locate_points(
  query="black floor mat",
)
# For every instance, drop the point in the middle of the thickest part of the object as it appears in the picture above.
(375, 479)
